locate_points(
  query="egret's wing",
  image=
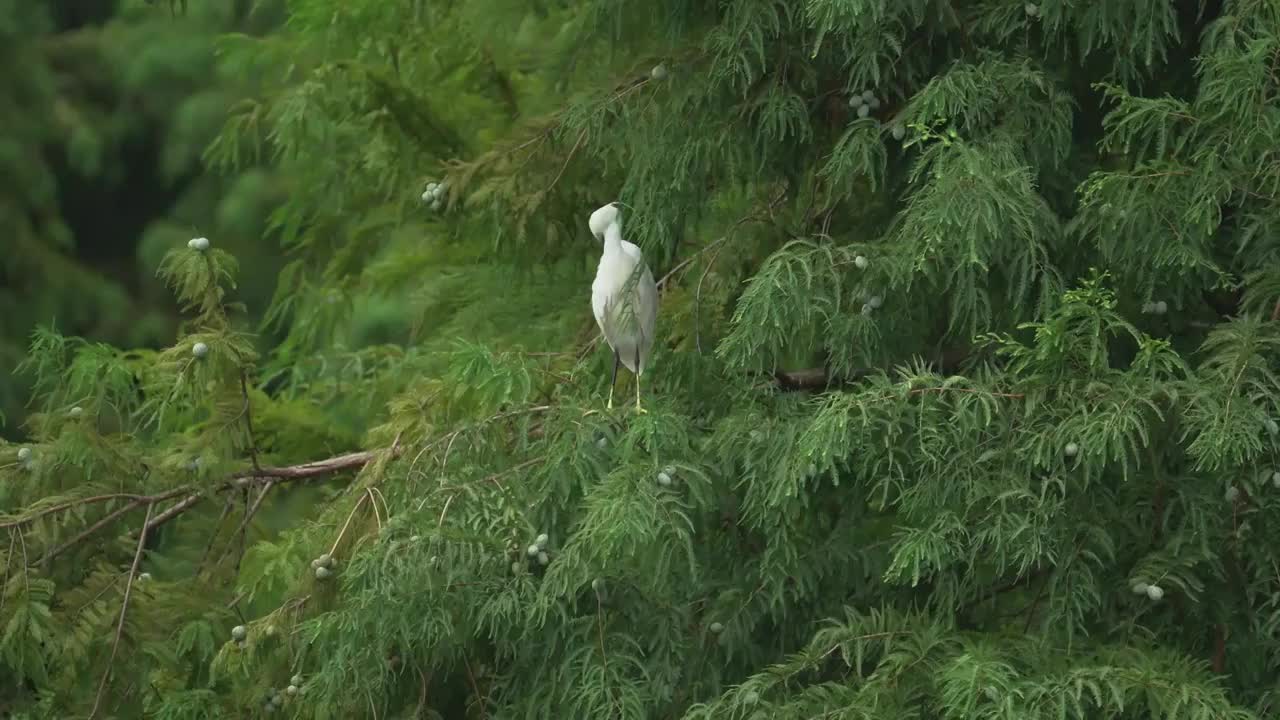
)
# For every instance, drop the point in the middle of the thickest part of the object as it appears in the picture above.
(599, 301)
(647, 308)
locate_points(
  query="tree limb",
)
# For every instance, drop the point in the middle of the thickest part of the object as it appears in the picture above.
(124, 609)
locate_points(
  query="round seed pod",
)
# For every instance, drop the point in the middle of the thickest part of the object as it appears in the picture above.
(1155, 592)
(664, 479)
(199, 244)
(899, 131)
(875, 301)
(199, 350)
(1071, 450)
(868, 96)
(291, 690)
(24, 454)
(1031, 9)
(543, 558)
(1161, 307)
(1140, 588)
(76, 411)
(533, 550)
(861, 262)
(864, 110)
(1232, 494)
(716, 628)
(296, 680)
(541, 541)
(658, 72)
(239, 632)
(325, 560)
(323, 573)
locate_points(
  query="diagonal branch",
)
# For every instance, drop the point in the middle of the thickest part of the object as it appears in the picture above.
(124, 609)
(248, 515)
(84, 534)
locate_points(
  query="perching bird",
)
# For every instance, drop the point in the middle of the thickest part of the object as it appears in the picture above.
(624, 297)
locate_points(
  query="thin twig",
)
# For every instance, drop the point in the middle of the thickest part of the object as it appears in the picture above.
(373, 503)
(124, 609)
(8, 558)
(242, 528)
(422, 696)
(475, 687)
(662, 283)
(103, 522)
(333, 548)
(248, 418)
(208, 548)
(581, 136)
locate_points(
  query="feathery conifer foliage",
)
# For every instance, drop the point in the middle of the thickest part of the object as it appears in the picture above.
(964, 403)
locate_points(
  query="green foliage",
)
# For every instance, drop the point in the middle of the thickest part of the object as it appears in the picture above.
(963, 406)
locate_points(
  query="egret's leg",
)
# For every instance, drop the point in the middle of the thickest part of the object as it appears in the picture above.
(613, 380)
(638, 408)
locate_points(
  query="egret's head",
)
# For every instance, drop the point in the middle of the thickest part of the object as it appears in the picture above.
(602, 218)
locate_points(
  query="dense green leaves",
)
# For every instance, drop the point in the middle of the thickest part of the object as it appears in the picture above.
(964, 404)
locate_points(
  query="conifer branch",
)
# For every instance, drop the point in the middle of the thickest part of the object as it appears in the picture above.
(69, 504)
(124, 609)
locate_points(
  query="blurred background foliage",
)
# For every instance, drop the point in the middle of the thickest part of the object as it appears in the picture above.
(106, 108)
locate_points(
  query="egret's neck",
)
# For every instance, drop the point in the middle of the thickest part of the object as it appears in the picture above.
(613, 238)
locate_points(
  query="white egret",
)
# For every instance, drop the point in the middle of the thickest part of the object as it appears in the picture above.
(624, 297)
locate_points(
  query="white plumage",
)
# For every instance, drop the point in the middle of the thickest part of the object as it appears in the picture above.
(624, 296)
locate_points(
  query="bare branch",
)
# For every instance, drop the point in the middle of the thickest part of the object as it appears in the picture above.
(124, 609)
(311, 469)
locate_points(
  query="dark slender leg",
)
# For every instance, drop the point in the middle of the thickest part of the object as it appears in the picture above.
(614, 379)
(638, 408)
